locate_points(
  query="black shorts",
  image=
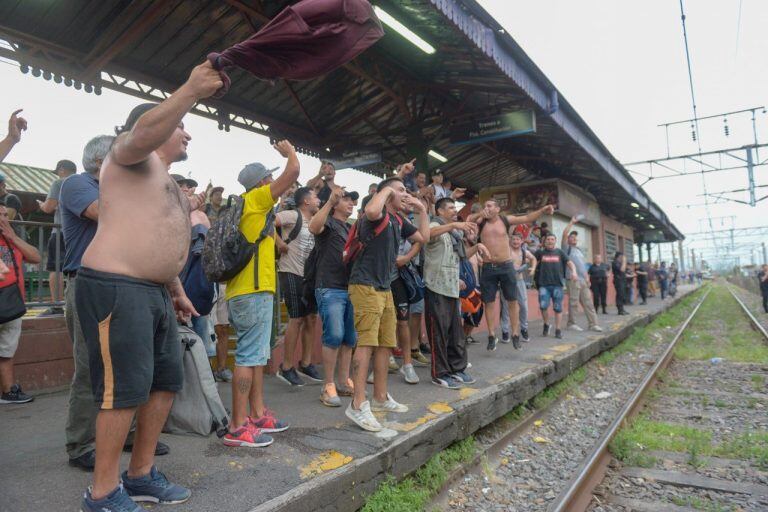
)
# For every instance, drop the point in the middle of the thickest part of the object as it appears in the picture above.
(133, 343)
(495, 276)
(291, 290)
(400, 298)
(50, 264)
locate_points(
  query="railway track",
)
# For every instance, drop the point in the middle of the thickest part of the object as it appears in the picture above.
(579, 495)
(514, 473)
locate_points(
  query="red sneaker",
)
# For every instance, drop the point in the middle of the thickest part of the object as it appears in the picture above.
(268, 423)
(247, 435)
(397, 352)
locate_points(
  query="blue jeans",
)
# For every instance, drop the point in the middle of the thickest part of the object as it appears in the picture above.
(338, 317)
(251, 316)
(554, 293)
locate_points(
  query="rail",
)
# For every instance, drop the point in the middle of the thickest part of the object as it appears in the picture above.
(37, 282)
(578, 493)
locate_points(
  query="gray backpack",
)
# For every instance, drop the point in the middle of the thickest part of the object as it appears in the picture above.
(197, 408)
(226, 251)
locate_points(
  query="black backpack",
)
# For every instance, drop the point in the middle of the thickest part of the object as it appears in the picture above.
(226, 251)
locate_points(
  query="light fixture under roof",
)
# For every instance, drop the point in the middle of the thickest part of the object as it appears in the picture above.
(634, 205)
(437, 156)
(404, 31)
(651, 226)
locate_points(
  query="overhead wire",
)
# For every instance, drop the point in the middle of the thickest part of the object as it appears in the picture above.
(696, 119)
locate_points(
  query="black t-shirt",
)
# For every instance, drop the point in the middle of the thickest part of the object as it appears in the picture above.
(376, 264)
(552, 265)
(642, 278)
(618, 274)
(598, 272)
(331, 271)
(763, 284)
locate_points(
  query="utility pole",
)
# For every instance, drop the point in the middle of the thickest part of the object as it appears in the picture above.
(682, 255)
(693, 260)
(765, 255)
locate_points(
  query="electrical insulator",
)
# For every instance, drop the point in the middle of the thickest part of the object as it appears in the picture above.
(693, 135)
(47, 75)
(78, 85)
(88, 88)
(36, 72)
(24, 68)
(97, 90)
(57, 79)
(727, 132)
(68, 82)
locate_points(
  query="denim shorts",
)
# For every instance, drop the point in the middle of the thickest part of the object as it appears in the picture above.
(417, 308)
(337, 316)
(555, 293)
(251, 316)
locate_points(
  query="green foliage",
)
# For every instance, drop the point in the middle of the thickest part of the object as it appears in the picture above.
(414, 492)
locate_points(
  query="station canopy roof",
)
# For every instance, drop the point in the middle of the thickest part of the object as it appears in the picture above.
(395, 99)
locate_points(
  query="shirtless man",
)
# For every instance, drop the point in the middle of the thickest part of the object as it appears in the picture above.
(127, 291)
(498, 270)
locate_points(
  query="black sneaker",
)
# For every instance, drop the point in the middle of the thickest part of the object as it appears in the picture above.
(516, 342)
(558, 334)
(524, 336)
(469, 340)
(160, 448)
(492, 343)
(290, 377)
(310, 372)
(505, 337)
(424, 347)
(546, 330)
(86, 461)
(15, 396)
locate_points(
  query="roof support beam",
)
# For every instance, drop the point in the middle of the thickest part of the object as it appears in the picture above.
(97, 61)
(301, 106)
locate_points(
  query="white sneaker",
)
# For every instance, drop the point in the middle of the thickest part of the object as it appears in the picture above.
(575, 327)
(389, 406)
(596, 328)
(409, 374)
(363, 417)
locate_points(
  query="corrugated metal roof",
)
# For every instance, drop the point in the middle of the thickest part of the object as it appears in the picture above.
(23, 178)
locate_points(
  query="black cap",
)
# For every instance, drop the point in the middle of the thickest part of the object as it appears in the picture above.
(325, 195)
(181, 180)
(134, 116)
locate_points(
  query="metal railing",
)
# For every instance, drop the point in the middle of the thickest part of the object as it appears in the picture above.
(36, 277)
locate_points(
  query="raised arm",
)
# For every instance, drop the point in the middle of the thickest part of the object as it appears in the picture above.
(317, 224)
(29, 253)
(291, 172)
(423, 227)
(532, 216)
(564, 239)
(157, 125)
(374, 210)
(16, 125)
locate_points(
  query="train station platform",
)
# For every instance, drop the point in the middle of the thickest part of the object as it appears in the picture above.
(323, 462)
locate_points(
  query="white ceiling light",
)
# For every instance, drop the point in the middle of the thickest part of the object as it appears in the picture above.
(404, 31)
(634, 205)
(651, 226)
(437, 156)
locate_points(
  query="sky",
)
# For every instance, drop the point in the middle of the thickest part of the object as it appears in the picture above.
(620, 64)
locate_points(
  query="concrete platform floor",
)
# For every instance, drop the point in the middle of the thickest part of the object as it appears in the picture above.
(324, 462)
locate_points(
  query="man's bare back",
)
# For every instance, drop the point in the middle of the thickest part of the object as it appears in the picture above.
(144, 226)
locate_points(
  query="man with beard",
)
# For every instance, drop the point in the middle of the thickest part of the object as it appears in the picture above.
(127, 291)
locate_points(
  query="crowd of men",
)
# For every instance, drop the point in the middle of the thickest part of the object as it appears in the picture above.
(408, 270)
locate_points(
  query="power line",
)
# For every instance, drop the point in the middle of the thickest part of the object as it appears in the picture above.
(695, 114)
(738, 27)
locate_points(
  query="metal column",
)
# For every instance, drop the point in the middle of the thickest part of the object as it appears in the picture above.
(682, 255)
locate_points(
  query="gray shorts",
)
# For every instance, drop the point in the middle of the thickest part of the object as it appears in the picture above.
(10, 332)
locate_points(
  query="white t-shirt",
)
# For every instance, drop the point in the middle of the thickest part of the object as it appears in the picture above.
(299, 248)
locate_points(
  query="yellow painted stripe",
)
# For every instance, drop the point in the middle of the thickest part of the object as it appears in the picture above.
(106, 358)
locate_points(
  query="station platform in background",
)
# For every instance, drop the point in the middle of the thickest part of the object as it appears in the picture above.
(323, 462)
